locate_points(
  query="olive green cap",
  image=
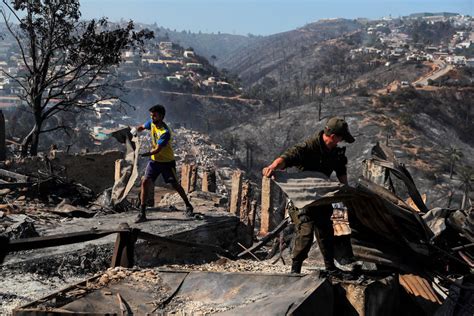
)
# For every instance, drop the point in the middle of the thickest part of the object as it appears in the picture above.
(338, 126)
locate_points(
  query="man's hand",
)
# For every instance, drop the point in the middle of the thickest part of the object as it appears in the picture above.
(278, 163)
(148, 154)
(137, 129)
(268, 171)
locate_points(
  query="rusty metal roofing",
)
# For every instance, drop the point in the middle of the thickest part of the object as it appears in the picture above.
(418, 286)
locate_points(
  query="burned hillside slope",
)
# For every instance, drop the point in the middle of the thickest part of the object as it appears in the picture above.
(419, 136)
(270, 52)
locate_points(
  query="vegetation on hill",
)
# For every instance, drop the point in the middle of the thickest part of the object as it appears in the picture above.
(429, 34)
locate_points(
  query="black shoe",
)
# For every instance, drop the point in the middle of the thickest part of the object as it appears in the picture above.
(296, 267)
(189, 211)
(140, 218)
(347, 261)
(337, 273)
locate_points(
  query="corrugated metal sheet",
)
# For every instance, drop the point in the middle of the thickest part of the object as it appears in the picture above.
(372, 208)
(418, 286)
(304, 188)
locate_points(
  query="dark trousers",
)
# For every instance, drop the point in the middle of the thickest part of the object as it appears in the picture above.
(315, 220)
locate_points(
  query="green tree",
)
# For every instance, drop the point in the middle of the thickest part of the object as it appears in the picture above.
(67, 62)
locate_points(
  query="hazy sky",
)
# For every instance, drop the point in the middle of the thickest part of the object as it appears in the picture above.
(258, 16)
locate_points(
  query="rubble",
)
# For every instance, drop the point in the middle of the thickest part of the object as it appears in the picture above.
(19, 226)
(197, 148)
(410, 255)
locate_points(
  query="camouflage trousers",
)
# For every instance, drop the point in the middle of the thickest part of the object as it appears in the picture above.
(315, 221)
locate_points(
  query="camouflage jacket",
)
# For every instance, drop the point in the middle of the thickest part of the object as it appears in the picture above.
(313, 155)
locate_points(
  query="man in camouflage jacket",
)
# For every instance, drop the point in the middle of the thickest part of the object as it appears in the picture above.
(318, 153)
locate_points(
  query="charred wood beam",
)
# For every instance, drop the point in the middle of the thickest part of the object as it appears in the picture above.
(159, 239)
(267, 238)
(250, 253)
(124, 247)
(13, 175)
(14, 185)
(57, 240)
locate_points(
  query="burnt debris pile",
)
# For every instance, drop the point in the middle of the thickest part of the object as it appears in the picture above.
(411, 259)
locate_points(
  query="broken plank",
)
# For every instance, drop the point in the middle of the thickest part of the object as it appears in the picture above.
(56, 240)
(155, 238)
(249, 251)
(10, 174)
(15, 185)
(267, 238)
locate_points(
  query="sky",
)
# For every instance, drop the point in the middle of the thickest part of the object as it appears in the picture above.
(258, 17)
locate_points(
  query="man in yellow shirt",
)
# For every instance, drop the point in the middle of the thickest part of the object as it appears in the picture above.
(162, 160)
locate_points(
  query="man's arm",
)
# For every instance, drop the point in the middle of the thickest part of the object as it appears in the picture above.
(146, 125)
(277, 164)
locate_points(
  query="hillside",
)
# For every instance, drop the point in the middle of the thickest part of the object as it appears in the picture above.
(345, 68)
(419, 139)
(220, 45)
(267, 53)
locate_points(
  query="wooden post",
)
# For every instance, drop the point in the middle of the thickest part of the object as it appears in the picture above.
(245, 203)
(3, 148)
(124, 247)
(185, 177)
(267, 207)
(150, 197)
(235, 193)
(205, 181)
(192, 178)
(253, 213)
(209, 181)
(247, 213)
